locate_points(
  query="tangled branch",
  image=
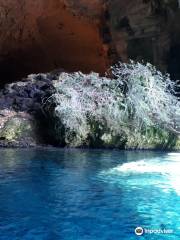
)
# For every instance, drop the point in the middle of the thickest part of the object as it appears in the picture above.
(150, 95)
(137, 97)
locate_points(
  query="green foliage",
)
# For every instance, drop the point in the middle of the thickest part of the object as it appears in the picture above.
(152, 138)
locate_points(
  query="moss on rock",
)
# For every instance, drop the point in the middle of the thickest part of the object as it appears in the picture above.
(18, 131)
(152, 138)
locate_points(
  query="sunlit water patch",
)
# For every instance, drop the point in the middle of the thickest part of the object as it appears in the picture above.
(152, 186)
(61, 194)
(161, 172)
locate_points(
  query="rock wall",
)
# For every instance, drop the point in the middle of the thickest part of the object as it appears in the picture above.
(22, 120)
(147, 30)
(39, 36)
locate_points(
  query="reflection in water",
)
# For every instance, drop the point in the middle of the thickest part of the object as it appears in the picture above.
(87, 194)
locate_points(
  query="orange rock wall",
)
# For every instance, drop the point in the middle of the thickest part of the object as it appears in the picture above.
(42, 35)
(39, 36)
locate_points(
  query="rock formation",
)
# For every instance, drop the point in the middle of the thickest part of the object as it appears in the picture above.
(29, 116)
(21, 104)
(68, 35)
(17, 129)
(39, 36)
(147, 30)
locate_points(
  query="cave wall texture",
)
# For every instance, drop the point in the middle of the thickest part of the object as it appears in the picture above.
(148, 30)
(42, 35)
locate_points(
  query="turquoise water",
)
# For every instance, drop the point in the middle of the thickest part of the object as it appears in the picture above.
(58, 194)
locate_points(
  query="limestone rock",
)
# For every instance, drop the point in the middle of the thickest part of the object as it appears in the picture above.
(22, 121)
(17, 129)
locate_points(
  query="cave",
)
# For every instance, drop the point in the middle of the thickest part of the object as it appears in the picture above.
(42, 36)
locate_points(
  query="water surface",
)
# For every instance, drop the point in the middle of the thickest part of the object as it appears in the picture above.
(60, 194)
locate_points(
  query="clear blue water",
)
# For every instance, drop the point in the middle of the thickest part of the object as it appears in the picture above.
(61, 194)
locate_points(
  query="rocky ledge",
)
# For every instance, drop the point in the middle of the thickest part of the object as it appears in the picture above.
(21, 111)
(28, 118)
